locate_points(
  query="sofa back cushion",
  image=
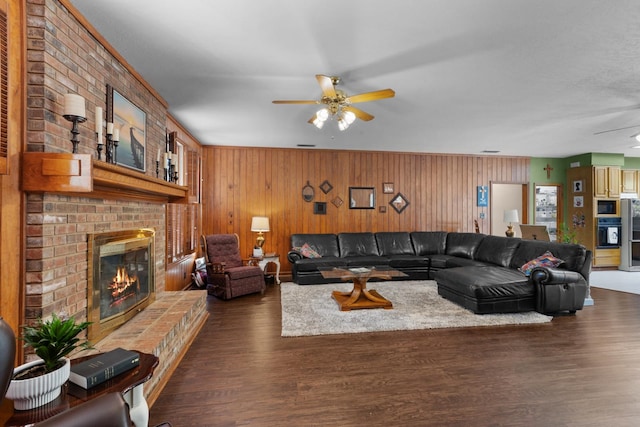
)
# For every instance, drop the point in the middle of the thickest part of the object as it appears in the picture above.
(324, 244)
(572, 255)
(497, 250)
(394, 243)
(463, 245)
(357, 244)
(429, 242)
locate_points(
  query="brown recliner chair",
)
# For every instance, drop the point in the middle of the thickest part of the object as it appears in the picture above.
(227, 275)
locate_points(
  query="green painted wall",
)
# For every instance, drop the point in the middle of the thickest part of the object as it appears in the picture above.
(538, 176)
(632, 162)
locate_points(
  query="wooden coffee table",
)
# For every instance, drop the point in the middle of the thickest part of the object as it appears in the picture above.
(360, 297)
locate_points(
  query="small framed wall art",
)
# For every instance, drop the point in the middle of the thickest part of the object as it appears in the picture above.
(387, 187)
(320, 208)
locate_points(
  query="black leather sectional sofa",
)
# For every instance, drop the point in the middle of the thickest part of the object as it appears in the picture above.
(478, 271)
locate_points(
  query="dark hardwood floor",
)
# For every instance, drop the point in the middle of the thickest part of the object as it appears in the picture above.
(581, 370)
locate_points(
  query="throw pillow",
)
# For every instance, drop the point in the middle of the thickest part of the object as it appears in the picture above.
(545, 260)
(308, 252)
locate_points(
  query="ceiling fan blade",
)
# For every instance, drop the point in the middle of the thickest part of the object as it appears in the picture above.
(296, 102)
(370, 96)
(617, 129)
(362, 115)
(326, 84)
(312, 119)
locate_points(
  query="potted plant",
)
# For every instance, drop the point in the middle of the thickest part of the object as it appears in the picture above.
(39, 382)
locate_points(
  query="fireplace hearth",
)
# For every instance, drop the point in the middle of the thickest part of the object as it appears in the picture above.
(121, 278)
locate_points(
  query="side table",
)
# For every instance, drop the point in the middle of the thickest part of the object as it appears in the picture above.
(129, 383)
(263, 261)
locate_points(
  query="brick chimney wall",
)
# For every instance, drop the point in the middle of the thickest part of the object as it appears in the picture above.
(63, 57)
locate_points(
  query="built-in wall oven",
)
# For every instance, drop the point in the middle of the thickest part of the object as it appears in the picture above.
(609, 232)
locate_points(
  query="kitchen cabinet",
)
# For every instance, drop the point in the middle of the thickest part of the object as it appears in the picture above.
(629, 180)
(606, 181)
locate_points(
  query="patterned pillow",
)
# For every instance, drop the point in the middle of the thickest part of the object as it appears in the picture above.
(545, 260)
(308, 252)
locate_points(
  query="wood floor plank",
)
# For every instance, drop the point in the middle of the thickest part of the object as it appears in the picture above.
(580, 370)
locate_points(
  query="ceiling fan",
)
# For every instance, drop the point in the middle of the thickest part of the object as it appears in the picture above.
(339, 104)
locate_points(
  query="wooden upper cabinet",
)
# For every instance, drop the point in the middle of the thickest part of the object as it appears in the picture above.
(606, 181)
(629, 181)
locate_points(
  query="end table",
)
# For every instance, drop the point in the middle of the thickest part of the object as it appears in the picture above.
(263, 261)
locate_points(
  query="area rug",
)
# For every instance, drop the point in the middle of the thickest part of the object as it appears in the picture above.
(310, 310)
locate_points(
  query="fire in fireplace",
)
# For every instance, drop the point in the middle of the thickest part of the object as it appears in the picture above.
(121, 278)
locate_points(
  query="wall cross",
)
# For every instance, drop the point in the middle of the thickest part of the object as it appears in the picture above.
(548, 169)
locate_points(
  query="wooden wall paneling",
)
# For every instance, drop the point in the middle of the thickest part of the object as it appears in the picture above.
(441, 190)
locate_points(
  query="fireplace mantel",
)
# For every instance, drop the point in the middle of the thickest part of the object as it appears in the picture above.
(81, 174)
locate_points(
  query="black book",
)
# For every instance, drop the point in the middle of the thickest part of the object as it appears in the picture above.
(103, 367)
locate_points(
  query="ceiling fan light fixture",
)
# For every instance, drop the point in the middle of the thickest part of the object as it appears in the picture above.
(322, 114)
(342, 124)
(318, 123)
(349, 117)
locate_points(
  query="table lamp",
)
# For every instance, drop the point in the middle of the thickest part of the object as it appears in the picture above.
(510, 216)
(260, 225)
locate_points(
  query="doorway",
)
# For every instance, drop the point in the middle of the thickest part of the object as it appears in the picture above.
(505, 197)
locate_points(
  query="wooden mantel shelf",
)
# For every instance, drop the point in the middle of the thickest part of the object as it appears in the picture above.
(81, 174)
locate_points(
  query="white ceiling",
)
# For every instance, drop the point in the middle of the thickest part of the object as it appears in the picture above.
(523, 77)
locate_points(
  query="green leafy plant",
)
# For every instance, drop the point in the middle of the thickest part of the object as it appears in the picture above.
(567, 235)
(54, 339)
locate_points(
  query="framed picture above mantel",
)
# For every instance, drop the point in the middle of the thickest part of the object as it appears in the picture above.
(131, 123)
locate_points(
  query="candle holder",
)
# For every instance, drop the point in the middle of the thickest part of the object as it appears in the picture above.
(108, 154)
(74, 129)
(100, 145)
(115, 152)
(157, 168)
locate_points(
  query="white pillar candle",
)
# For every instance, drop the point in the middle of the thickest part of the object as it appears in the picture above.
(99, 120)
(74, 105)
(116, 134)
(158, 159)
(109, 128)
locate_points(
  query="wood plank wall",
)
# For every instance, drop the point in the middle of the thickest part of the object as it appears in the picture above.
(239, 183)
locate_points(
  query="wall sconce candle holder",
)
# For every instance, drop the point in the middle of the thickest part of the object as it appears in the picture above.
(74, 111)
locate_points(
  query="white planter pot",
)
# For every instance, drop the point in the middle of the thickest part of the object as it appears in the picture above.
(33, 392)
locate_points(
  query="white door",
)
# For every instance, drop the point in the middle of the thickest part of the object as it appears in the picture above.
(504, 197)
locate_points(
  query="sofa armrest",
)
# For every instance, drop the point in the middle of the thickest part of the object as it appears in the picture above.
(554, 276)
(293, 256)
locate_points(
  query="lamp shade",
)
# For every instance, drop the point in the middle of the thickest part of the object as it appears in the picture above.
(260, 224)
(511, 216)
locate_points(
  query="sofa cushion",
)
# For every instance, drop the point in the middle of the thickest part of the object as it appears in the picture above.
(408, 261)
(394, 243)
(366, 261)
(463, 244)
(485, 282)
(357, 244)
(497, 250)
(573, 255)
(429, 242)
(545, 260)
(456, 261)
(312, 264)
(324, 244)
(439, 261)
